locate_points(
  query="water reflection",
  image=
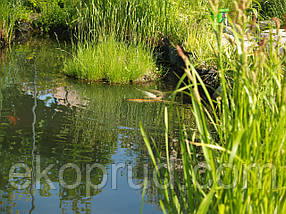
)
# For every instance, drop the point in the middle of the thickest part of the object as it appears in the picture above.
(75, 123)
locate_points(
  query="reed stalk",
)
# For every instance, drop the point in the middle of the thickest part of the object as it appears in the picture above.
(240, 135)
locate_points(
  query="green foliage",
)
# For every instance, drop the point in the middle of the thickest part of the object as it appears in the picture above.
(240, 137)
(9, 11)
(54, 13)
(201, 46)
(136, 20)
(111, 60)
(273, 8)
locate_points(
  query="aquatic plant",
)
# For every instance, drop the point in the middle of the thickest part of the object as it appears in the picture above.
(8, 14)
(54, 15)
(234, 162)
(136, 20)
(116, 62)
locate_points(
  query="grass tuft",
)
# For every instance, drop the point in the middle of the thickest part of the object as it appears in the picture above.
(111, 60)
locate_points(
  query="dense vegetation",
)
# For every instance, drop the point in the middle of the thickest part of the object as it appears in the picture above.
(240, 137)
(111, 61)
(145, 21)
(275, 8)
(240, 134)
(132, 21)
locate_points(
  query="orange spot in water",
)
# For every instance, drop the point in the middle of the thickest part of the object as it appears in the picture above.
(13, 120)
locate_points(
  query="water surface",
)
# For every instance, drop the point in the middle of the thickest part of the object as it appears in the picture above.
(69, 127)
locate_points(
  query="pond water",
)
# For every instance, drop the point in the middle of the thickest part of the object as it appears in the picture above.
(86, 136)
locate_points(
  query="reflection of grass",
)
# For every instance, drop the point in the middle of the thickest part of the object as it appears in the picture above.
(96, 126)
(22, 58)
(111, 60)
(1, 96)
(4, 77)
(108, 107)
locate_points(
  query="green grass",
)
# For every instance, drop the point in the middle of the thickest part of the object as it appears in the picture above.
(240, 137)
(55, 15)
(273, 8)
(11, 11)
(8, 14)
(201, 46)
(111, 60)
(145, 21)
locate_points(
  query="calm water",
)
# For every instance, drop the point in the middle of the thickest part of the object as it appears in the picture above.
(79, 132)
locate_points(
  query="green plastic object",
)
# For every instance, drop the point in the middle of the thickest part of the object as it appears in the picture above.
(221, 16)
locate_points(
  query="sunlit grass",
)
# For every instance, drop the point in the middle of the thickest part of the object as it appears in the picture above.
(201, 46)
(145, 21)
(8, 15)
(116, 62)
(235, 161)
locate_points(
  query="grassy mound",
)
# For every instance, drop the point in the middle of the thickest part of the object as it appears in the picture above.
(110, 60)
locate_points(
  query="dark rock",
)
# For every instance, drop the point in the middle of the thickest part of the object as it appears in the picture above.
(169, 59)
